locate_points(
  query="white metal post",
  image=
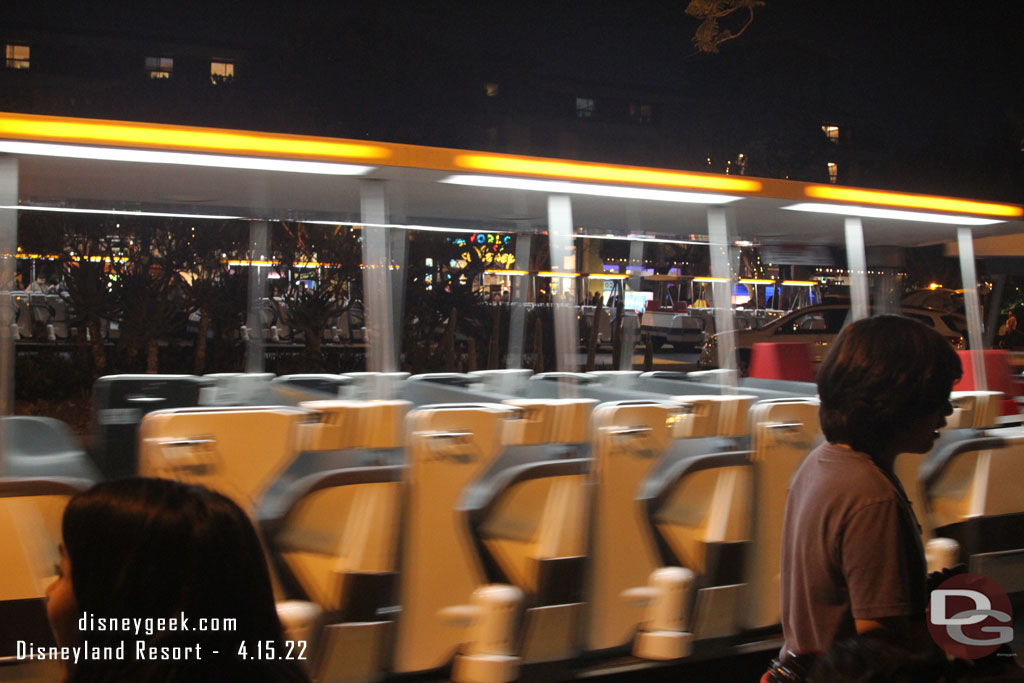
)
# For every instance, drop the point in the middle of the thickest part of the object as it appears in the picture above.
(563, 259)
(856, 266)
(969, 279)
(8, 271)
(722, 270)
(377, 304)
(259, 250)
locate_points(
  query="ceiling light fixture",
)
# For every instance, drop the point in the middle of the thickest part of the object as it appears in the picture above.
(181, 158)
(594, 190)
(894, 214)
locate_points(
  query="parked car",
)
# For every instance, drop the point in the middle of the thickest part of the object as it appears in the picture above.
(818, 326)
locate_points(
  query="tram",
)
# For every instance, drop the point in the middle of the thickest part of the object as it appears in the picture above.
(501, 524)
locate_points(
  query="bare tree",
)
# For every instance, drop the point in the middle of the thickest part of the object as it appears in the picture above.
(718, 19)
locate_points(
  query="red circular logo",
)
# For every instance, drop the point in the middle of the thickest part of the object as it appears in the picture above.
(969, 616)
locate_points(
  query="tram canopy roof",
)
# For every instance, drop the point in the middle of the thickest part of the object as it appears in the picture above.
(103, 166)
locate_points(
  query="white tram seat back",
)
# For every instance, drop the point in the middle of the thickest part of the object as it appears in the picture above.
(972, 410)
(671, 490)
(448, 448)
(782, 432)
(529, 517)
(972, 495)
(629, 440)
(510, 381)
(703, 416)
(353, 424)
(31, 510)
(237, 451)
(329, 532)
(235, 388)
(549, 420)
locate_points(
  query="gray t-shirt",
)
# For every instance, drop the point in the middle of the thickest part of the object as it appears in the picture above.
(851, 549)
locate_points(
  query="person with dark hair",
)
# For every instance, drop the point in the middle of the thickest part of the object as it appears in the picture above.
(852, 559)
(178, 560)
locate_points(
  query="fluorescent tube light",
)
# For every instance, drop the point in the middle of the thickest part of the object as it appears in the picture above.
(118, 212)
(894, 214)
(181, 158)
(564, 187)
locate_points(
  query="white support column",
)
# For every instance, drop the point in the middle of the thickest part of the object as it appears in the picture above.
(380, 347)
(629, 333)
(8, 270)
(856, 265)
(722, 268)
(259, 250)
(563, 259)
(969, 279)
(517, 315)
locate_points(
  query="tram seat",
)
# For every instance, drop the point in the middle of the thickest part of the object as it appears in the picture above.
(30, 531)
(293, 389)
(623, 379)
(782, 433)
(998, 377)
(376, 385)
(235, 388)
(23, 318)
(714, 382)
(689, 323)
(60, 320)
(473, 517)
(119, 404)
(42, 317)
(973, 411)
(446, 387)
(642, 452)
(511, 381)
(237, 451)
(44, 447)
(972, 495)
(604, 327)
(782, 360)
(449, 448)
(332, 521)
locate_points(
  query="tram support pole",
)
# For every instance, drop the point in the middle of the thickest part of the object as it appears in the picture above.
(380, 347)
(628, 334)
(856, 266)
(969, 279)
(259, 243)
(722, 269)
(517, 302)
(563, 259)
(8, 273)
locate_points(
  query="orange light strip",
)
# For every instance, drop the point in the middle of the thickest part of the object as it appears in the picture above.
(603, 173)
(498, 271)
(800, 283)
(711, 279)
(911, 201)
(184, 138)
(551, 273)
(755, 281)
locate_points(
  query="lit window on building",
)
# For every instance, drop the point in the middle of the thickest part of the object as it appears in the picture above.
(159, 67)
(585, 107)
(492, 89)
(221, 72)
(832, 133)
(833, 172)
(641, 113)
(16, 56)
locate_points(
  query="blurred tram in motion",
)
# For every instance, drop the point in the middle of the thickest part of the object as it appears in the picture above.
(501, 524)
